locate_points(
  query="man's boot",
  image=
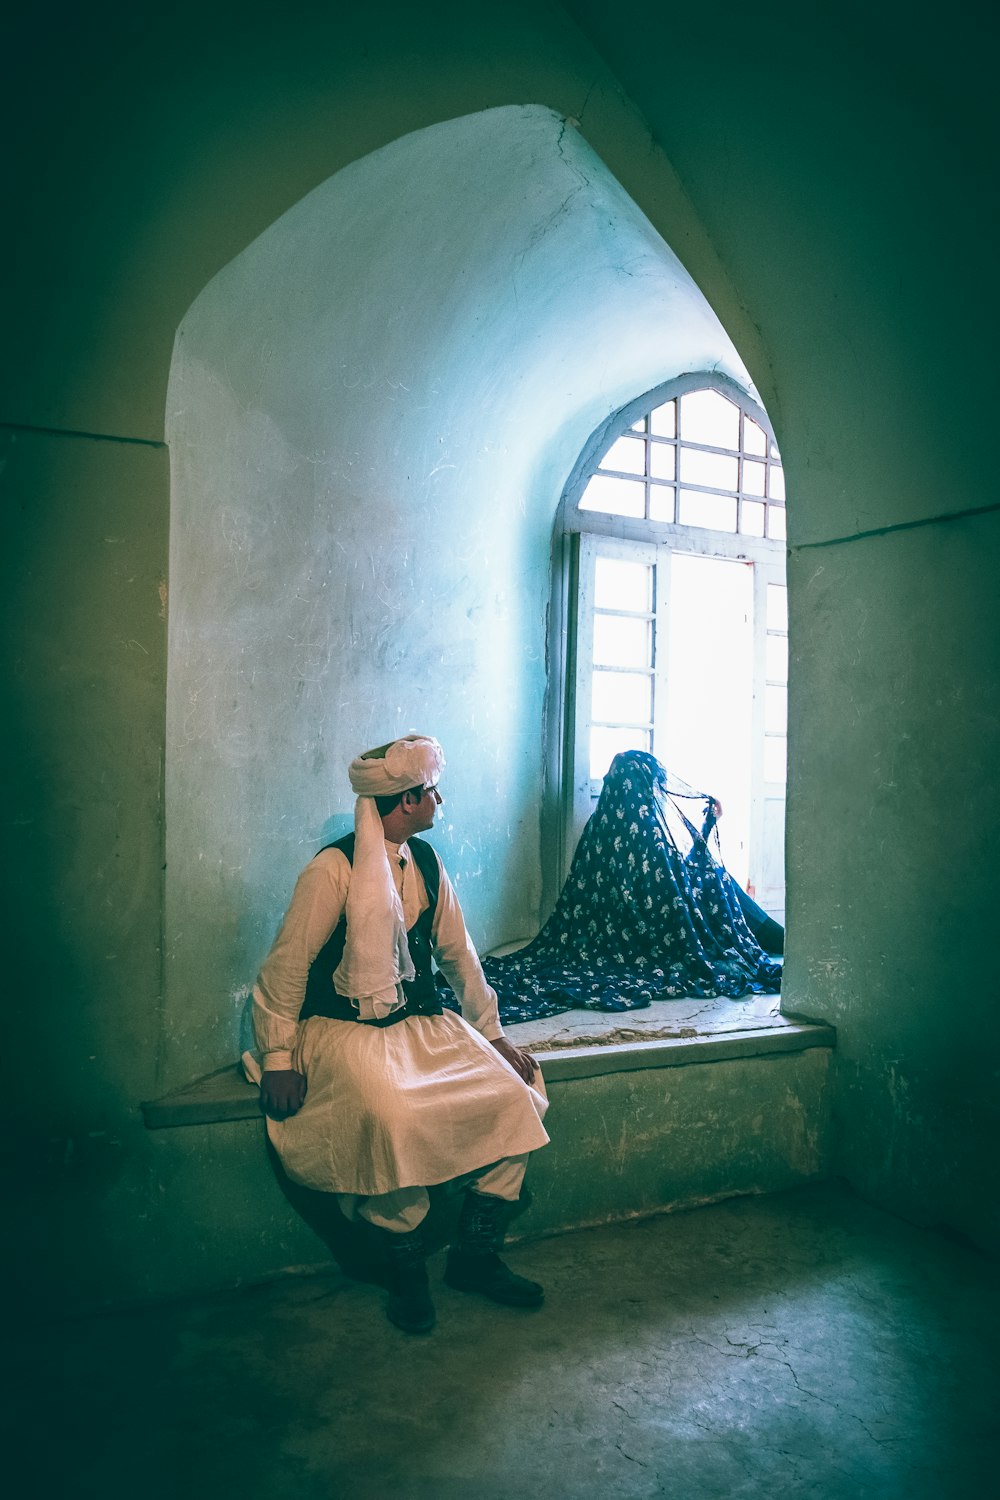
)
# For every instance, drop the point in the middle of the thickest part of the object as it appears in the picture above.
(473, 1263)
(410, 1306)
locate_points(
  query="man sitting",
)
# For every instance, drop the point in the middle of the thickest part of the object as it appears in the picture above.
(371, 1091)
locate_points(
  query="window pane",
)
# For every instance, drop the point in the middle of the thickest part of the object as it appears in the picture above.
(707, 417)
(663, 421)
(639, 426)
(776, 654)
(622, 642)
(627, 454)
(620, 497)
(622, 697)
(662, 460)
(752, 518)
(605, 744)
(623, 585)
(754, 437)
(753, 477)
(777, 607)
(776, 709)
(707, 728)
(776, 482)
(775, 757)
(776, 521)
(717, 512)
(711, 468)
(661, 502)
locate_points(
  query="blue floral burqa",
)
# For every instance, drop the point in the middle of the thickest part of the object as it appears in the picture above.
(648, 911)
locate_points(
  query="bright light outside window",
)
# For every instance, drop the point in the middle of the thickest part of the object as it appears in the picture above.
(709, 720)
(682, 631)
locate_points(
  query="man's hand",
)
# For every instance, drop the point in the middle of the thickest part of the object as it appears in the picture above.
(282, 1092)
(522, 1062)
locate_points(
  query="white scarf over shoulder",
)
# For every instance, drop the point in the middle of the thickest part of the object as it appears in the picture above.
(376, 958)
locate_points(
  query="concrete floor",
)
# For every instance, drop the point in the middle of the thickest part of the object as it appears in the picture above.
(802, 1344)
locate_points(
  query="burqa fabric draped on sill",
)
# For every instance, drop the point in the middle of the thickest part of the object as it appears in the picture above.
(648, 911)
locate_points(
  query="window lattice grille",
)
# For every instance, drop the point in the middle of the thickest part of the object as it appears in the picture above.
(698, 460)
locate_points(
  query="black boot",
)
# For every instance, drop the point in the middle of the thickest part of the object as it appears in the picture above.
(473, 1263)
(410, 1306)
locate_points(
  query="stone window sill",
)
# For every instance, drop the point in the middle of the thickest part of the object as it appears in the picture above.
(576, 1044)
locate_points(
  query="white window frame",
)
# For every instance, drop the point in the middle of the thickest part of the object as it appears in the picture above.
(580, 537)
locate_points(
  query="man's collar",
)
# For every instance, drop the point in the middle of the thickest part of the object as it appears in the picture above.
(398, 851)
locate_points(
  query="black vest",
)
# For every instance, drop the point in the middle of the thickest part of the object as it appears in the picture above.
(420, 991)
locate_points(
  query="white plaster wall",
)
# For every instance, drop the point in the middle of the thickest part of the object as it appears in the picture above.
(371, 415)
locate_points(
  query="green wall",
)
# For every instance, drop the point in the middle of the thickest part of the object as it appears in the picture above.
(823, 190)
(839, 161)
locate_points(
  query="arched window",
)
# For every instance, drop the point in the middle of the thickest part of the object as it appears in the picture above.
(678, 640)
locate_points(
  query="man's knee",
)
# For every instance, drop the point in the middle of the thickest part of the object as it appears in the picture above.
(398, 1212)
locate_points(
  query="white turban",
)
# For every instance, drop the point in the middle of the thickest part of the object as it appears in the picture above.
(376, 957)
(415, 760)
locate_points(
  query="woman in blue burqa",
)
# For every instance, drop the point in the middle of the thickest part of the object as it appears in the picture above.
(648, 911)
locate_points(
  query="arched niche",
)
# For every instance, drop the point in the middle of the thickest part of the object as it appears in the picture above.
(372, 413)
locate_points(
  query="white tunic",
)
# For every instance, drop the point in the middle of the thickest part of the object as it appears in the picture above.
(408, 1105)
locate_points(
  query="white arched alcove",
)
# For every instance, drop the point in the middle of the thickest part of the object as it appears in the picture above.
(372, 413)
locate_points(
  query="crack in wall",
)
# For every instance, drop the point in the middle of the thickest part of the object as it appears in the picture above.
(858, 536)
(93, 437)
(583, 107)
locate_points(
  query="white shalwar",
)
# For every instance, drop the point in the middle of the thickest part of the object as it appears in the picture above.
(394, 1109)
